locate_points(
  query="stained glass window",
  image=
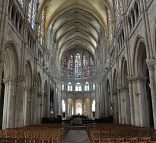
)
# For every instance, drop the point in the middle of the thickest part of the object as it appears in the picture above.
(32, 13)
(77, 66)
(41, 26)
(91, 66)
(85, 67)
(30, 10)
(71, 66)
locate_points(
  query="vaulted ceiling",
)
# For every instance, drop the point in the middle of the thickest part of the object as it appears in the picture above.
(76, 23)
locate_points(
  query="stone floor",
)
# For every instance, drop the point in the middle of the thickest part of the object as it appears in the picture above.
(76, 136)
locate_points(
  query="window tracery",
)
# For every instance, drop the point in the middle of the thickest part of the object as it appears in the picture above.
(78, 66)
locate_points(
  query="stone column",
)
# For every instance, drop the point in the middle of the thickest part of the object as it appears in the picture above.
(136, 103)
(152, 70)
(48, 102)
(119, 106)
(90, 106)
(34, 105)
(74, 107)
(1, 71)
(115, 107)
(20, 94)
(97, 104)
(142, 102)
(123, 106)
(9, 112)
(106, 104)
(131, 102)
(127, 106)
(55, 101)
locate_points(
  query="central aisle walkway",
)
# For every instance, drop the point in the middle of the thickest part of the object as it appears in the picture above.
(76, 136)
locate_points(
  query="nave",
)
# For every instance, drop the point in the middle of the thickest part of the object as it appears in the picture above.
(76, 136)
(94, 133)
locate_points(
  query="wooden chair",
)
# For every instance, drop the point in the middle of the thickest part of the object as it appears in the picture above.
(113, 134)
(95, 136)
(29, 137)
(46, 137)
(10, 136)
(104, 134)
(119, 140)
(106, 140)
(152, 141)
(56, 137)
(132, 140)
(144, 139)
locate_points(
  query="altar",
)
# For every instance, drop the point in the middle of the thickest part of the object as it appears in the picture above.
(78, 120)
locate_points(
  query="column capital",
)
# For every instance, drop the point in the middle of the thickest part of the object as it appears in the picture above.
(9, 80)
(137, 78)
(151, 62)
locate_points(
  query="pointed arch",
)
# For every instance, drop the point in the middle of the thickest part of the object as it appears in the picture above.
(125, 98)
(10, 76)
(140, 41)
(141, 72)
(10, 59)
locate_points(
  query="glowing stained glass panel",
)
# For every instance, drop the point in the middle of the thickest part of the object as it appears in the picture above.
(85, 67)
(33, 23)
(78, 66)
(32, 13)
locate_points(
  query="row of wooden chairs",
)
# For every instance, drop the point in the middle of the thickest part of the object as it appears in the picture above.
(97, 138)
(115, 133)
(34, 134)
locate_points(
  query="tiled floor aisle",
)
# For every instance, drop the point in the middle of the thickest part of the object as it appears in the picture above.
(76, 136)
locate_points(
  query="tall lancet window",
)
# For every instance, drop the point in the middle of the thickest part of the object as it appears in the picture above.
(41, 27)
(32, 13)
(70, 66)
(78, 66)
(85, 67)
(91, 66)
